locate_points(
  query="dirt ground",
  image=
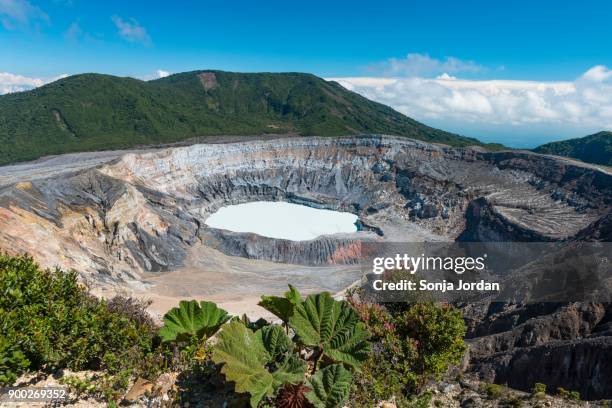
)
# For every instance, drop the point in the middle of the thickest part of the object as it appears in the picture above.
(234, 283)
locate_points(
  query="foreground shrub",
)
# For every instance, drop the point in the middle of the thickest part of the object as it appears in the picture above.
(258, 362)
(493, 391)
(49, 321)
(437, 332)
(538, 391)
(412, 344)
(12, 361)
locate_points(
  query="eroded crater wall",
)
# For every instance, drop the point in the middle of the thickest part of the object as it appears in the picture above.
(143, 211)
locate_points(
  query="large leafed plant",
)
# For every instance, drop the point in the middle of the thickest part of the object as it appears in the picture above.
(312, 364)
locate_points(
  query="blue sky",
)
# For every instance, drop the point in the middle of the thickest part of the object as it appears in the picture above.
(475, 41)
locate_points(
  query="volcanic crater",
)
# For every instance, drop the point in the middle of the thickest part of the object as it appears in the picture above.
(135, 222)
(129, 214)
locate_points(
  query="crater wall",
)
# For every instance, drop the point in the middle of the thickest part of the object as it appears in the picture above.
(143, 211)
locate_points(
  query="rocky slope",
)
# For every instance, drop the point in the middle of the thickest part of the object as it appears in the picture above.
(136, 220)
(562, 345)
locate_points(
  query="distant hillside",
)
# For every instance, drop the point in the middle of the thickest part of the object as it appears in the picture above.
(99, 112)
(595, 148)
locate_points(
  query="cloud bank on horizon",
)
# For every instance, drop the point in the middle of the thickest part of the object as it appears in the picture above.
(10, 83)
(583, 105)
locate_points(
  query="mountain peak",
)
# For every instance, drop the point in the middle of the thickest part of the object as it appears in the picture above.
(100, 112)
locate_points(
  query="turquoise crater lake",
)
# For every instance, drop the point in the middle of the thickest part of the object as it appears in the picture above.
(277, 219)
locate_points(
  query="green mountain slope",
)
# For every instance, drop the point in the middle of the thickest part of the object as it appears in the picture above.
(595, 148)
(96, 112)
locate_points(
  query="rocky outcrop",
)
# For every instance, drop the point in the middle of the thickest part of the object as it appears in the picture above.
(583, 365)
(331, 249)
(560, 345)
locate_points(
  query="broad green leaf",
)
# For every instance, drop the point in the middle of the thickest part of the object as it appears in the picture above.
(244, 360)
(247, 356)
(192, 319)
(290, 368)
(351, 346)
(256, 325)
(278, 306)
(329, 387)
(333, 326)
(293, 295)
(275, 341)
(292, 371)
(282, 307)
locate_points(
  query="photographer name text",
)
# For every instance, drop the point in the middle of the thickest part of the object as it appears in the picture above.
(443, 286)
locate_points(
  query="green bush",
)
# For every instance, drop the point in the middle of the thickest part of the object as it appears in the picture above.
(412, 344)
(12, 361)
(439, 331)
(494, 391)
(567, 394)
(538, 391)
(49, 321)
(539, 388)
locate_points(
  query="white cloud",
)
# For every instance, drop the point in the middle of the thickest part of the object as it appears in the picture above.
(132, 31)
(585, 103)
(598, 73)
(415, 64)
(10, 82)
(19, 14)
(446, 76)
(162, 74)
(16, 83)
